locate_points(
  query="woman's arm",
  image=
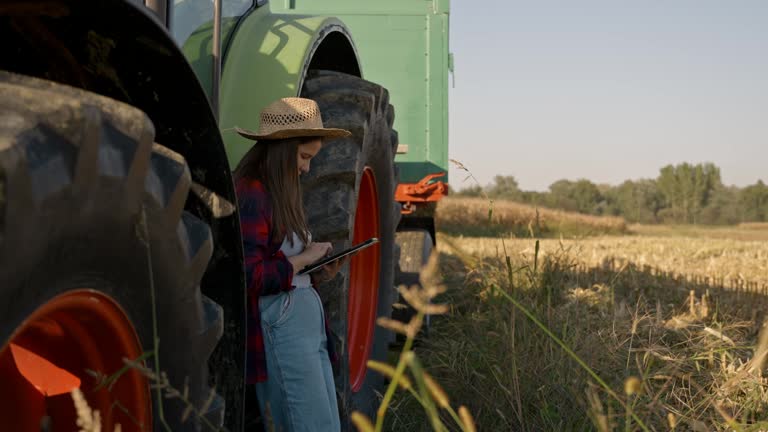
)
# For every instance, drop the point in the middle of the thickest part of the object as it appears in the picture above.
(299, 262)
(265, 273)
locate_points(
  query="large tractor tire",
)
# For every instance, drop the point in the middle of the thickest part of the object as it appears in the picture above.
(99, 263)
(349, 197)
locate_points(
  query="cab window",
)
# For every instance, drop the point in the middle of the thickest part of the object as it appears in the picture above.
(190, 15)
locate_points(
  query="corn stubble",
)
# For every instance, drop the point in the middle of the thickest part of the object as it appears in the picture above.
(674, 352)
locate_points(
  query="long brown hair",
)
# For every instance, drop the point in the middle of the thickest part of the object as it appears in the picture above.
(274, 163)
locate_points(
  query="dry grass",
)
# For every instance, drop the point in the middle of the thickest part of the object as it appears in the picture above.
(470, 216)
(667, 354)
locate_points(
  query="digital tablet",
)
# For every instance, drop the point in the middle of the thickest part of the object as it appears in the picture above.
(354, 249)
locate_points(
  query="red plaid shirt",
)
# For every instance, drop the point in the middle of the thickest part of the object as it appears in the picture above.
(267, 270)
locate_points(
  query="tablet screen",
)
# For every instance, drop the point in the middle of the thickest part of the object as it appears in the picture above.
(319, 264)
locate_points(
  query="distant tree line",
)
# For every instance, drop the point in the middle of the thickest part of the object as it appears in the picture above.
(683, 193)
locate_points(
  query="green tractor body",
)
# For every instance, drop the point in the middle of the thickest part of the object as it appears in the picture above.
(116, 151)
(401, 45)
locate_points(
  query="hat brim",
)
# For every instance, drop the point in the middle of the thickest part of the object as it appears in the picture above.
(327, 133)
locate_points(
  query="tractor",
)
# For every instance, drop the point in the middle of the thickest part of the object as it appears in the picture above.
(121, 266)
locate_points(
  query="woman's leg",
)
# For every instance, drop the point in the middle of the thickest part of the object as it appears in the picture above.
(298, 367)
(330, 388)
(271, 394)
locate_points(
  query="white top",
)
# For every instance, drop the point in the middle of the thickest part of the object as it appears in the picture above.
(302, 281)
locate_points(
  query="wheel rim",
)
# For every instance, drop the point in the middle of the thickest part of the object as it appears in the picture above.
(81, 331)
(363, 281)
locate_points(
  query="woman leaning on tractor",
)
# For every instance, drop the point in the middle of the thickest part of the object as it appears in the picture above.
(289, 351)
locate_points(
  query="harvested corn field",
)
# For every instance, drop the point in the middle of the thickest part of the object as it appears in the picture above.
(606, 333)
(721, 262)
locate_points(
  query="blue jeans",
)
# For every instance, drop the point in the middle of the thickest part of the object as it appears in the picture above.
(299, 394)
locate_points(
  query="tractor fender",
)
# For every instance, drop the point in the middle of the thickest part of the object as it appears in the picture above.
(267, 58)
(120, 50)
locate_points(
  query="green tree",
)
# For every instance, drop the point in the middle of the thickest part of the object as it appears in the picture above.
(560, 196)
(753, 201)
(505, 187)
(723, 207)
(581, 196)
(587, 196)
(687, 189)
(637, 201)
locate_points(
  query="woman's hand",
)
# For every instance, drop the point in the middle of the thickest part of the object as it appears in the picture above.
(312, 253)
(317, 251)
(328, 271)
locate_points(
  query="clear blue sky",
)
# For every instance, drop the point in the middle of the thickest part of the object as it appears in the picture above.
(608, 90)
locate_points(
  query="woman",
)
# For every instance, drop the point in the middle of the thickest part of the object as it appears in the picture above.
(289, 351)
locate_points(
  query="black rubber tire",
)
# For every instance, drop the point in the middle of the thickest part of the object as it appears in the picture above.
(330, 197)
(416, 246)
(79, 174)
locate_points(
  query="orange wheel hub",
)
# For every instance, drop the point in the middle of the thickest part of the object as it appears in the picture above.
(76, 338)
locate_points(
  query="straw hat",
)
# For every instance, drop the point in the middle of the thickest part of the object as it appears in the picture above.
(292, 118)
